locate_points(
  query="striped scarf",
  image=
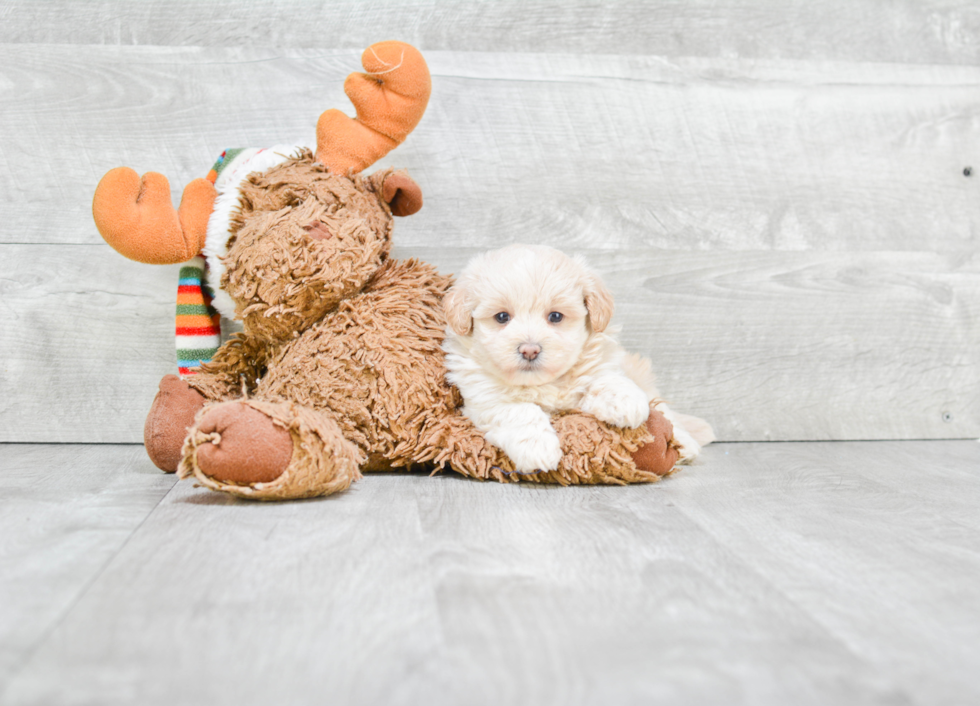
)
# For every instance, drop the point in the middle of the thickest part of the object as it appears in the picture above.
(198, 330)
(198, 323)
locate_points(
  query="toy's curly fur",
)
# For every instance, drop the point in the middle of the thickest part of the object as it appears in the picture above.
(364, 381)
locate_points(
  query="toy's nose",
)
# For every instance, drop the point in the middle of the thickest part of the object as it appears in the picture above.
(529, 351)
(317, 231)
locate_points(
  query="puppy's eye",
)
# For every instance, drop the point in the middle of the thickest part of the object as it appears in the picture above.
(554, 317)
(502, 318)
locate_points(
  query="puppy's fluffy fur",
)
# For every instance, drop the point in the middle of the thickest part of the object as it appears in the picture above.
(527, 336)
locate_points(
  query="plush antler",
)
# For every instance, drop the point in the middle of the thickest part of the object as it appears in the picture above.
(136, 217)
(390, 99)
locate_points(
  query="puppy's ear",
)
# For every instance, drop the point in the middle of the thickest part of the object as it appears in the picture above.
(456, 307)
(599, 302)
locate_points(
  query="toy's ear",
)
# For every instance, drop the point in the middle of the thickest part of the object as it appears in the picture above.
(599, 302)
(459, 313)
(401, 193)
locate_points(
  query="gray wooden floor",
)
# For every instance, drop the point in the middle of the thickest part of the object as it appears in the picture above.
(803, 573)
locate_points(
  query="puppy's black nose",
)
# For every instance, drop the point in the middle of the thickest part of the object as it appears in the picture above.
(529, 351)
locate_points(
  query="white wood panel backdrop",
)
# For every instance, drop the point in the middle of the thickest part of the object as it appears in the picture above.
(907, 31)
(776, 193)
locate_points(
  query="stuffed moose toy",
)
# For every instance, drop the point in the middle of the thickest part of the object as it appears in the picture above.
(339, 368)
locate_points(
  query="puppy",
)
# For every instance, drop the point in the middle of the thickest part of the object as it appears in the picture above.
(526, 337)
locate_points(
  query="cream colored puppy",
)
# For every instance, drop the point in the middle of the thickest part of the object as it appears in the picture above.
(526, 337)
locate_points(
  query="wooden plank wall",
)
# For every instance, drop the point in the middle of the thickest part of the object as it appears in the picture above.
(775, 191)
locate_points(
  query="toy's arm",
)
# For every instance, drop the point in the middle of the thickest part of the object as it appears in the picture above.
(236, 367)
(593, 452)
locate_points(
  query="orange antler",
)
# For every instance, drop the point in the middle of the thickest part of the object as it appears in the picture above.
(390, 100)
(136, 217)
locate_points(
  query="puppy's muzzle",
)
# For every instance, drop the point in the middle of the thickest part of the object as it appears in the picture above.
(529, 351)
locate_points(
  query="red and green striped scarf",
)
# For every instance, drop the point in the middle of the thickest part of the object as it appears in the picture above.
(198, 323)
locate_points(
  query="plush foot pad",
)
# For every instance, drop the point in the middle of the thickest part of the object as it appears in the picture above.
(658, 456)
(171, 415)
(244, 445)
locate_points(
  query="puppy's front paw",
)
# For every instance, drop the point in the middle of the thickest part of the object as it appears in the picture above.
(540, 453)
(624, 407)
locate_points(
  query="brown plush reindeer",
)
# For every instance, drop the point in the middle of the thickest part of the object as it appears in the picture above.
(339, 368)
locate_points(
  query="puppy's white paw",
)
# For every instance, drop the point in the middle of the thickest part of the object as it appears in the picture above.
(540, 453)
(624, 407)
(688, 448)
(524, 432)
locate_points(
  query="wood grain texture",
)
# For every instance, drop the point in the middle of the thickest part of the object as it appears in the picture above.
(590, 151)
(906, 31)
(789, 240)
(766, 346)
(64, 512)
(87, 335)
(769, 574)
(800, 516)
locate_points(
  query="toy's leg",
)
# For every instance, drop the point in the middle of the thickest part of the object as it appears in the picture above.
(269, 450)
(171, 415)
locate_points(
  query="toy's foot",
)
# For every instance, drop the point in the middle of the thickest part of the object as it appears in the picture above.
(171, 415)
(269, 451)
(660, 455)
(243, 445)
